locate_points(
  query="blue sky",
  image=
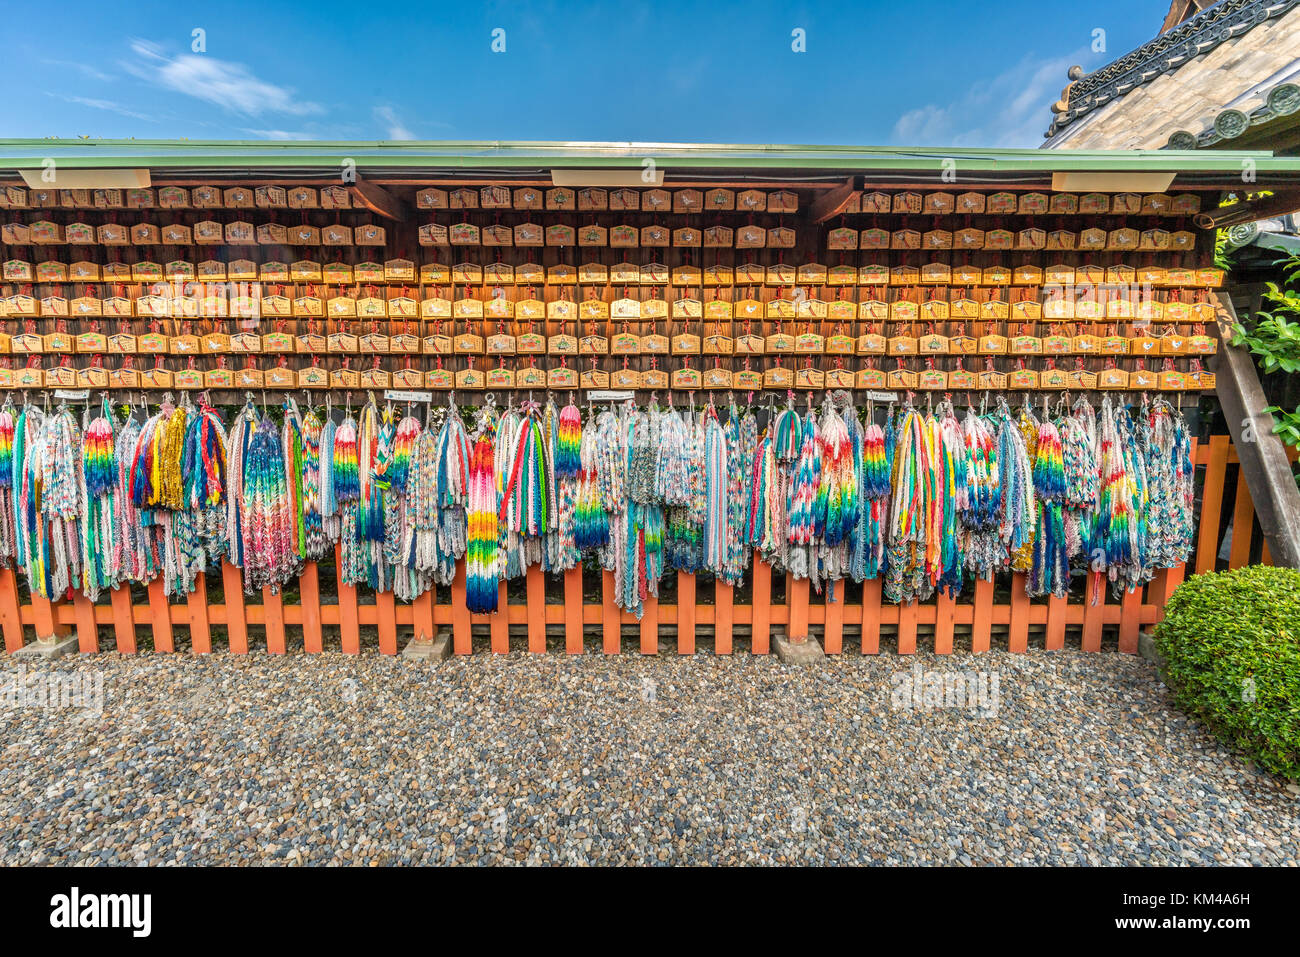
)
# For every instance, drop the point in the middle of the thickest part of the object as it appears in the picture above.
(925, 74)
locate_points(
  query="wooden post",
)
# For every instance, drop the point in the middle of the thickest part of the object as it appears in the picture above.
(349, 618)
(123, 619)
(197, 604)
(907, 628)
(1243, 523)
(761, 622)
(46, 619)
(309, 592)
(945, 609)
(981, 632)
(460, 628)
(796, 591)
(87, 631)
(573, 610)
(1130, 621)
(273, 619)
(610, 619)
(1055, 637)
(1018, 634)
(10, 619)
(833, 625)
(386, 622)
(1092, 613)
(1207, 539)
(871, 616)
(724, 597)
(535, 584)
(1264, 461)
(422, 614)
(232, 584)
(650, 626)
(161, 614)
(685, 613)
(499, 624)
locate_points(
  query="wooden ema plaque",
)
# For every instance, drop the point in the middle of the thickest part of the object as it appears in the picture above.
(165, 293)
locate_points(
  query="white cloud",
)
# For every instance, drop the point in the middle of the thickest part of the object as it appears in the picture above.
(231, 86)
(279, 134)
(1009, 110)
(397, 130)
(98, 75)
(108, 105)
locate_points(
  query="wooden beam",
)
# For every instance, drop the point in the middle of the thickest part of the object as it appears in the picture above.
(1264, 461)
(1282, 201)
(832, 202)
(378, 200)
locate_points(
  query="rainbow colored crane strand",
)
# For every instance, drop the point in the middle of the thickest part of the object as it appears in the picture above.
(568, 443)
(1049, 573)
(8, 533)
(270, 559)
(590, 520)
(481, 560)
(99, 491)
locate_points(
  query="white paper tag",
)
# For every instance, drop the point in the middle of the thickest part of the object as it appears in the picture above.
(399, 395)
(609, 395)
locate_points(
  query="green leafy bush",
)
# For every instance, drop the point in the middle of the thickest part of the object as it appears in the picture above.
(1231, 648)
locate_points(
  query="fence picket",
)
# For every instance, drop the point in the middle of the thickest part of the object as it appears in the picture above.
(87, 632)
(1207, 539)
(386, 622)
(499, 625)
(349, 614)
(1054, 640)
(650, 626)
(945, 611)
(907, 628)
(871, 616)
(796, 598)
(10, 617)
(273, 620)
(232, 585)
(1018, 632)
(460, 628)
(45, 619)
(536, 591)
(423, 624)
(760, 622)
(309, 593)
(573, 611)
(1130, 620)
(1092, 612)
(833, 626)
(160, 614)
(685, 613)
(611, 617)
(981, 632)
(123, 619)
(200, 630)
(1243, 524)
(723, 601)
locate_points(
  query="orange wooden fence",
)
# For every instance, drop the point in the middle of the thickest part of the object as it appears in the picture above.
(560, 608)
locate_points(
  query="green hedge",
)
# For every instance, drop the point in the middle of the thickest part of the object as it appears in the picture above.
(1231, 648)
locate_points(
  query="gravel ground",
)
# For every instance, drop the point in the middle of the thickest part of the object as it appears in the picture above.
(371, 760)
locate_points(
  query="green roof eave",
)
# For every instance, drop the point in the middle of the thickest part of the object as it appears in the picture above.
(18, 154)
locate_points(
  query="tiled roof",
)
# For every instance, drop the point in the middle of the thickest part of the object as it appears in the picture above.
(1188, 73)
(1271, 99)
